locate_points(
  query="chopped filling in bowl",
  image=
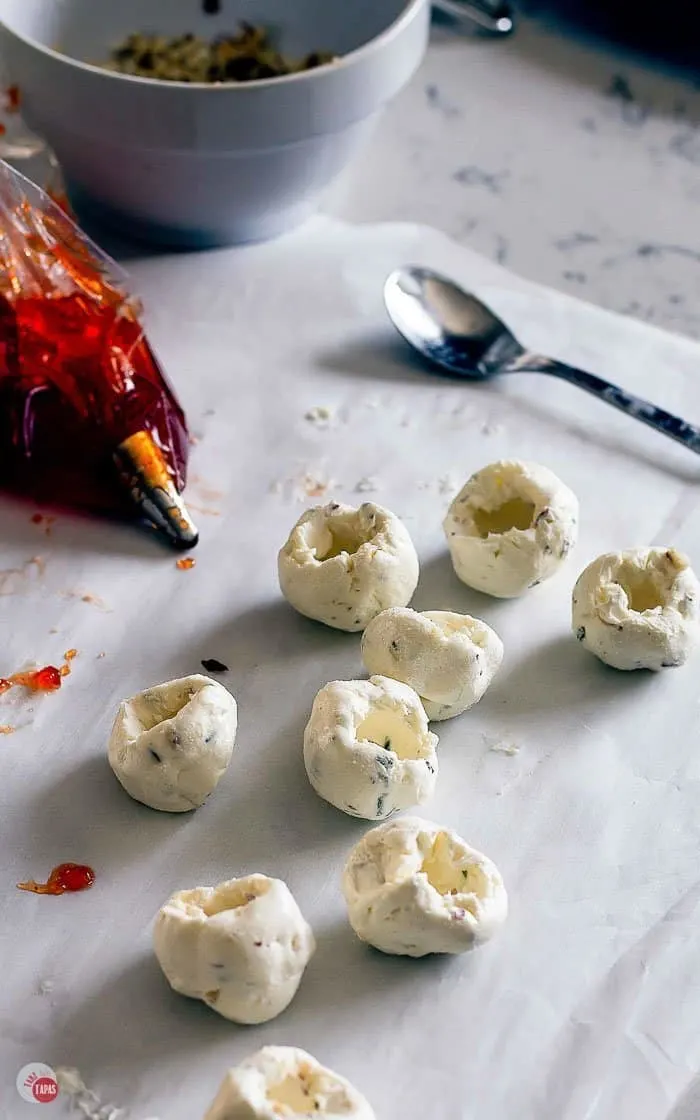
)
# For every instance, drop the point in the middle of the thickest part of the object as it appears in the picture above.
(246, 56)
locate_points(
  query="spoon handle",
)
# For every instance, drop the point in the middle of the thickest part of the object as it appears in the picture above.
(658, 418)
(496, 18)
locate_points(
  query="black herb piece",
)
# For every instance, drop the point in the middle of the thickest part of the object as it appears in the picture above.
(212, 665)
(154, 754)
(380, 804)
(430, 766)
(580, 633)
(387, 744)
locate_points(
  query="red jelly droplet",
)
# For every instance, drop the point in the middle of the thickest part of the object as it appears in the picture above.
(48, 679)
(185, 563)
(65, 877)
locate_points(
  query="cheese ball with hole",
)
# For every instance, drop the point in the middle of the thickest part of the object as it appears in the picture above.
(367, 748)
(171, 744)
(241, 947)
(449, 659)
(638, 609)
(510, 527)
(283, 1081)
(342, 565)
(414, 888)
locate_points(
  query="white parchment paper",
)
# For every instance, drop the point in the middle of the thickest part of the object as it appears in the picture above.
(587, 1007)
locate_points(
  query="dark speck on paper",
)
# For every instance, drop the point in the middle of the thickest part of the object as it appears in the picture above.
(213, 665)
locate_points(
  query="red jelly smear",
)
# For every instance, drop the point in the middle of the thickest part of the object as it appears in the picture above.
(77, 377)
(65, 877)
(47, 679)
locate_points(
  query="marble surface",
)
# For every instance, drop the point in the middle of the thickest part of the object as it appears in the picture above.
(568, 162)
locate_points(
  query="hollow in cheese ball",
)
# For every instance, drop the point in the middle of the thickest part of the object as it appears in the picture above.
(510, 527)
(342, 565)
(367, 747)
(171, 744)
(449, 659)
(282, 1082)
(240, 947)
(414, 888)
(638, 609)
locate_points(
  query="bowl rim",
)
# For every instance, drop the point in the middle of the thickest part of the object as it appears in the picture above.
(411, 9)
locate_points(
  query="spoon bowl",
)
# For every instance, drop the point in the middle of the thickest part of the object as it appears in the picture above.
(448, 326)
(458, 333)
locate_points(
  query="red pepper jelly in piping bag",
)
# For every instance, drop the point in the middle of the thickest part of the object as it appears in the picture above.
(87, 418)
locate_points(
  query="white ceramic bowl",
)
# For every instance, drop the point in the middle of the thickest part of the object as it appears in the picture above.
(187, 164)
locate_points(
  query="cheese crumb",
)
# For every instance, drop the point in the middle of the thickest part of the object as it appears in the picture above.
(319, 415)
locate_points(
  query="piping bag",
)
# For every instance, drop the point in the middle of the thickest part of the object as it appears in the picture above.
(87, 417)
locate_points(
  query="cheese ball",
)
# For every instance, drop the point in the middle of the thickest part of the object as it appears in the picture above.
(171, 744)
(240, 947)
(511, 527)
(638, 609)
(449, 659)
(367, 748)
(342, 565)
(282, 1081)
(414, 888)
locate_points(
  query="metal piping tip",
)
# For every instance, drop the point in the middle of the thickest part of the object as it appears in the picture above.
(144, 471)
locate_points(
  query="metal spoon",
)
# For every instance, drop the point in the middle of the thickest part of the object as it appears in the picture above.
(497, 18)
(458, 333)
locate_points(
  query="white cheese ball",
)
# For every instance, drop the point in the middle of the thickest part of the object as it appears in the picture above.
(638, 609)
(171, 744)
(342, 565)
(367, 747)
(511, 527)
(282, 1081)
(449, 659)
(414, 888)
(240, 947)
